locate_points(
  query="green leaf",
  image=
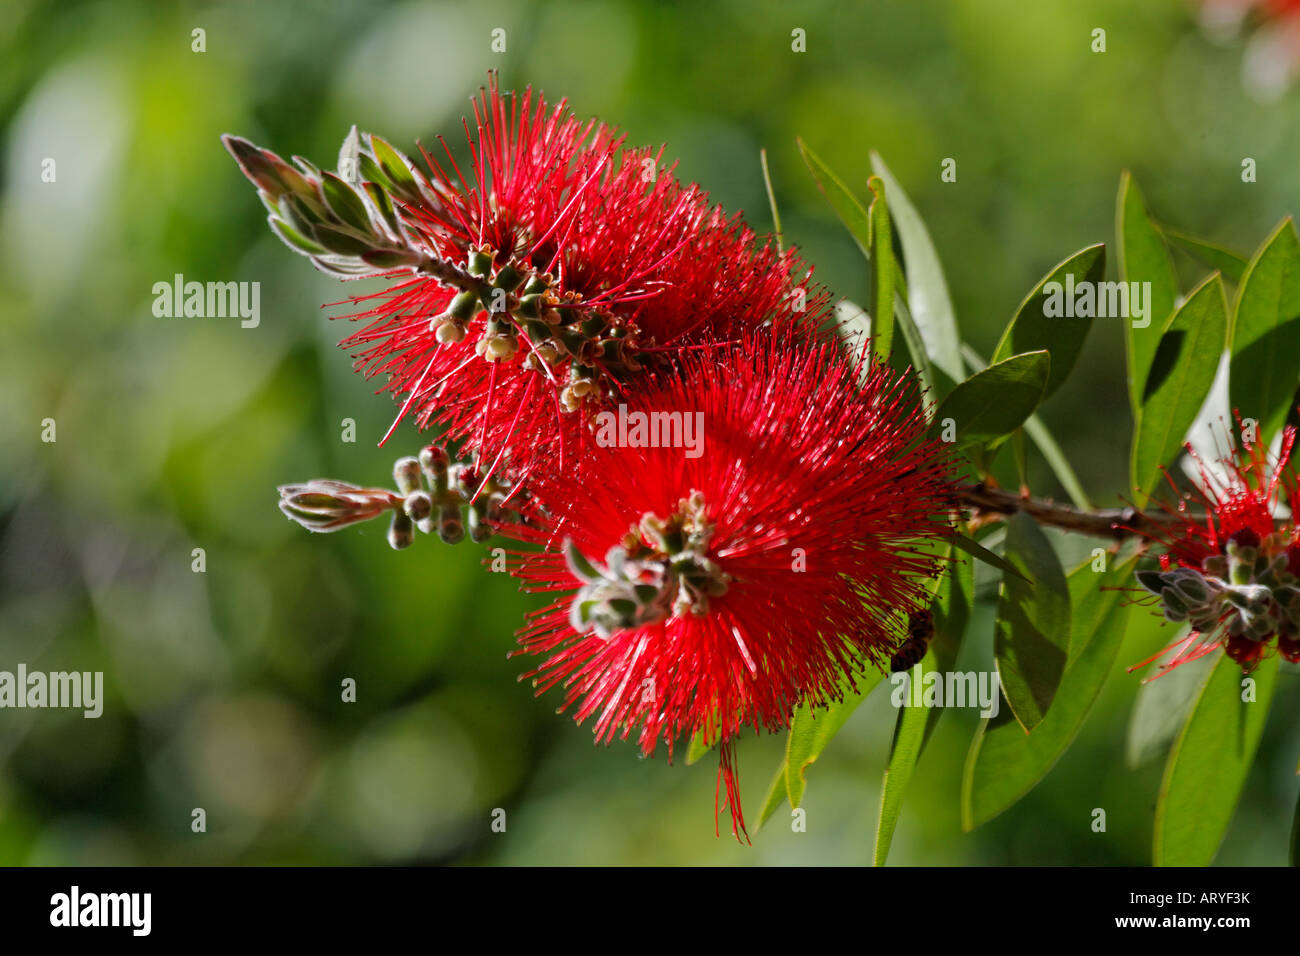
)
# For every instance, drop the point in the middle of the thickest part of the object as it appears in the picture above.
(1208, 765)
(340, 242)
(854, 326)
(776, 795)
(1042, 438)
(908, 737)
(915, 346)
(846, 205)
(928, 299)
(951, 609)
(1032, 636)
(394, 167)
(771, 201)
(1032, 330)
(1161, 707)
(1266, 333)
(811, 731)
(698, 748)
(1227, 262)
(384, 204)
(349, 158)
(294, 239)
(883, 270)
(1004, 762)
(991, 404)
(977, 550)
(1181, 374)
(1143, 257)
(345, 203)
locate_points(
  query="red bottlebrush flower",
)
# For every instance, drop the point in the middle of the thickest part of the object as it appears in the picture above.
(1233, 573)
(611, 264)
(751, 565)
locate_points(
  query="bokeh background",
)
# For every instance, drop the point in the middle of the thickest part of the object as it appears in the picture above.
(223, 687)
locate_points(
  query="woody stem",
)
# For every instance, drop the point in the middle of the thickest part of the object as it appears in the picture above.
(1114, 523)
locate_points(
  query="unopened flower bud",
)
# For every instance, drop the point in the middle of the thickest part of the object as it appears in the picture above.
(450, 526)
(449, 331)
(479, 262)
(574, 394)
(479, 528)
(433, 462)
(508, 278)
(418, 505)
(401, 532)
(406, 472)
(500, 348)
(539, 282)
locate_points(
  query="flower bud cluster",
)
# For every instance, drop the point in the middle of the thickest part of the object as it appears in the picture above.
(434, 494)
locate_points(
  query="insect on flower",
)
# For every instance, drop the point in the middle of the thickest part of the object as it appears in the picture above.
(704, 594)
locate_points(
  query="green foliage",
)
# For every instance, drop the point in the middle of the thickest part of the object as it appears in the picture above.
(1265, 368)
(1143, 257)
(1208, 765)
(1180, 376)
(1032, 638)
(1004, 762)
(994, 402)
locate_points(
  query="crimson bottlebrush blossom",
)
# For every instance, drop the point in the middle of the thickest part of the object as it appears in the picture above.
(1233, 573)
(625, 265)
(707, 588)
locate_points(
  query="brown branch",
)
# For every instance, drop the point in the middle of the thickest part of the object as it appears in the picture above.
(1114, 523)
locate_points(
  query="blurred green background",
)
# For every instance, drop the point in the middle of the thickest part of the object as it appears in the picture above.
(223, 687)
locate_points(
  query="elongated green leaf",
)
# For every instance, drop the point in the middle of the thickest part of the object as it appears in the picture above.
(1180, 377)
(1041, 322)
(1209, 763)
(698, 748)
(991, 404)
(776, 797)
(1042, 438)
(928, 299)
(883, 270)
(771, 202)
(915, 346)
(1143, 257)
(1032, 637)
(350, 158)
(1004, 763)
(1161, 708)
(1265, 365)
(811, 731)
(908, 736)
(977, 550)
(951, 609)
(854, 326)
(1229, 264)
(847, 207)
(345, 203)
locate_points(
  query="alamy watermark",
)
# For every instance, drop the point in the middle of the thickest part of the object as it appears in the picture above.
(83, 690)
(624, 429)
(1101, 300)
(208, 300)
(948, 689)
